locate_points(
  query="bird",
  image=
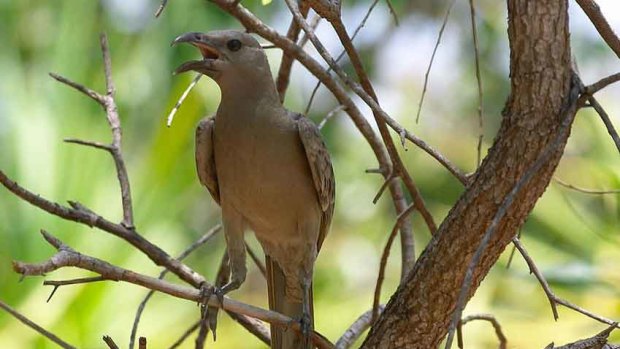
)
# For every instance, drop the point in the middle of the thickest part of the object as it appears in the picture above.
(269, 170)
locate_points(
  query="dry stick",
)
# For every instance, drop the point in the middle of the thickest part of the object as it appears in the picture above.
(393, 12)
(191, 248)
(407, 239)
(602, 83)
(606, 120)
(584, 190)
(80, 214)
(597, 18)
(57, 284)
(356, 329)
(472, 12)
(182, 99)
(66, 256)
(185, 335)
(35, 327)
(161, 7)
(329, 115)
(259, 264)
(115, 126)
(430, 63)
(341, 54)
(568, 113)
(553, 299)
(110, 342)
(142, 343)
(384, 257)
(284, 72)
(91, 144)
(496, 325)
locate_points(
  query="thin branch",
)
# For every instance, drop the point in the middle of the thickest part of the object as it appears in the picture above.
(568, 113)
(259, 264)
(393, 12)
(602, 83)
(590, 7)
(384, 257)
(342, 53)
(185, 335)
(585, 190)
(385, 184)
(182, 99)
(191, 248)
(606, 120)
(161, 7)
(81, 215)
(330, 115)
(284, 72)
(472, 12)
(142, 343)
(110, 342)
(496, 326)
(430, 63)
(57, 284)
(92, 144)
(543, 282)
(35, 327)
(553, 299)
(357, 328)
(67, 257)
(81, 88)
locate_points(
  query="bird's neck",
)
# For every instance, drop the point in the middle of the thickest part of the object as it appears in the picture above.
(249, 90)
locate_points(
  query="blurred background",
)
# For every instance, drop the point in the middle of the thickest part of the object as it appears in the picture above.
(574, 237)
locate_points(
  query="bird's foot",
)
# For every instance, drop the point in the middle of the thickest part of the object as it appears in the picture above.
(208, 315)
(305, 323)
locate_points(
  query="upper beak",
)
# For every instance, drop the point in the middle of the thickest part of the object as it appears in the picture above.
(204, 42)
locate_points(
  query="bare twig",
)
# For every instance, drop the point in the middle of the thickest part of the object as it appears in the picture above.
(191, 248)
(259, 264)
(161, 7)
(384, 257)
(142, 343)
(602, 83)
(383, 186)
(110, 342)
(35, 327)
(553, 299)
(606, 120)
(330, 115)
(342, 53)
(185, 335)
(393, 12)
(590, 7)
(85, 216)
(568, 113)
(539, 276)
(57, 284)
(430, 63)
(356, 329)
(599, 341)
(472, 12)
(182, 99)
(286, 64)
(66, 257)
(81, 88)
(496, 325)
(585, 190)
(92, 144)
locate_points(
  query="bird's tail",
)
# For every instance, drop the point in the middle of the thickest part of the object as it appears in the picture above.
(281, 338)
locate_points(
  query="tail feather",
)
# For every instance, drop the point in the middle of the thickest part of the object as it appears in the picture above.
(282, 338)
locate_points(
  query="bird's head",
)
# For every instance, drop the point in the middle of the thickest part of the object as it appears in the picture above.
(228, 56)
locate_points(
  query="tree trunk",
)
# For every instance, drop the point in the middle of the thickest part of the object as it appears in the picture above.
(419, 313)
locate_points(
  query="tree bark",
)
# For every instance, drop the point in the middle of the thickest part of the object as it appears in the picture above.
(419, 313)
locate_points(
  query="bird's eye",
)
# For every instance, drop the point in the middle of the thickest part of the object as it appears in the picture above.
(234, 45)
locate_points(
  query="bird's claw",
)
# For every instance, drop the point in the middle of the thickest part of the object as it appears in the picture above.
(207, 313)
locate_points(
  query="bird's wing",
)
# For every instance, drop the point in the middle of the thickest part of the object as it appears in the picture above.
(205, 158)
(321, 168)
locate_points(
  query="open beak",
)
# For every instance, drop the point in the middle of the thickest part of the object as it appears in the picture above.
(207, 48)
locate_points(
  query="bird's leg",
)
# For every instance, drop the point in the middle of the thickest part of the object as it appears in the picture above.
(235, 244)
(306, 314)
